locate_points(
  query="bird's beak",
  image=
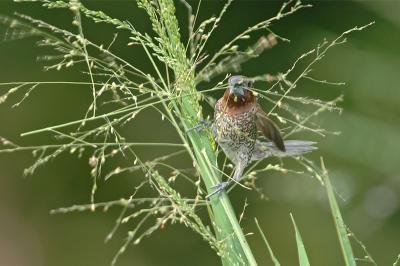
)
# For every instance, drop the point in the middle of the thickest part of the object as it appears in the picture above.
(237, 91)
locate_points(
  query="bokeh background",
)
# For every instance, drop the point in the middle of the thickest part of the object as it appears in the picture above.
(363, 161)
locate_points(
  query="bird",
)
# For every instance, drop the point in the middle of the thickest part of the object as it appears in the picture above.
(240, 127)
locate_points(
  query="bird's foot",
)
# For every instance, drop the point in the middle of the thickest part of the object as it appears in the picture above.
(200, 126)
(218, 188)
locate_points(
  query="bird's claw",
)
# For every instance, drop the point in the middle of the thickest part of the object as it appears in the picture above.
(218, 188)
(203, 124)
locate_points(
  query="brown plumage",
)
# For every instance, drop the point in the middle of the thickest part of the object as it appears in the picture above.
(233, 107)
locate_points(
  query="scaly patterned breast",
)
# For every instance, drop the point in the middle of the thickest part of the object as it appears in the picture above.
(235, 133)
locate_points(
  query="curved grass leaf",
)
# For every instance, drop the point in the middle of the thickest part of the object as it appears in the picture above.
(271, 253)
(339, 224)
(303, 259)
(397, 260)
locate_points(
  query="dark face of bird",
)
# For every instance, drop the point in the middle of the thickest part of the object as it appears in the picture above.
(239, 89)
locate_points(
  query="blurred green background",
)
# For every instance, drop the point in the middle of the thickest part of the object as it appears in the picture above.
(363, 161)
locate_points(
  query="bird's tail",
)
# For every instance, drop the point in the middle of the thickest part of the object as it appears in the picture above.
(293, 148)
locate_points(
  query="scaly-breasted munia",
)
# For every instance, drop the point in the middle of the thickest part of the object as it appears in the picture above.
(237, 119)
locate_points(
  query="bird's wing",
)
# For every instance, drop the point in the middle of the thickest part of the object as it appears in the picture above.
(269, 129)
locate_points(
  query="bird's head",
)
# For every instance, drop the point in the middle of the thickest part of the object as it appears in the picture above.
(239, 88)
(238, 97)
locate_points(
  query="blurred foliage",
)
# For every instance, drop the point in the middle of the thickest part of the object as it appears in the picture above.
(363, 160)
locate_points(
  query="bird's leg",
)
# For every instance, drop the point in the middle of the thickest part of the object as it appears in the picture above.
(223, 185)
(200, 126)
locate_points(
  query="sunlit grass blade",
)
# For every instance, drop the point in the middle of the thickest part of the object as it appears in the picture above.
(339, 224)
(271, 253)
(303, 259)
(397, 261)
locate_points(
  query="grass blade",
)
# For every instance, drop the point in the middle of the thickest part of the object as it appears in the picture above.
(339, 224)
(273, 258)
(397, 260)
(303, 259)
